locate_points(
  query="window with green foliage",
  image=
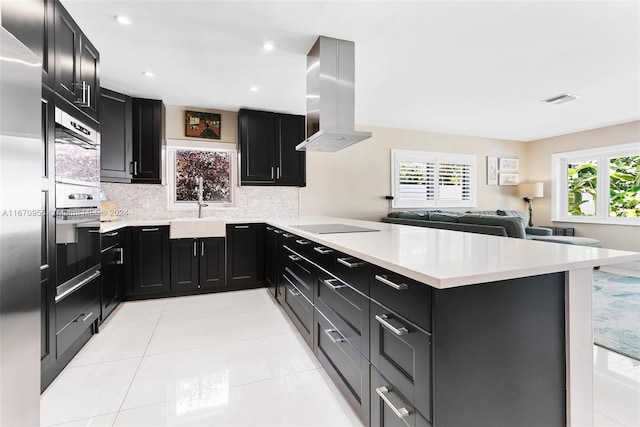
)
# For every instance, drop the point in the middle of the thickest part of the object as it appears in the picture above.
(599, 185)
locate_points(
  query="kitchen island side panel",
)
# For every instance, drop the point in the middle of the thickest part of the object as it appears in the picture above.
(499, 353)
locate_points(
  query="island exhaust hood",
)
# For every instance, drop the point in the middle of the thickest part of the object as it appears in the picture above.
(331, 96)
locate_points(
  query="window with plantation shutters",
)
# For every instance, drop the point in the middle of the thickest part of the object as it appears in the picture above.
(427, 179)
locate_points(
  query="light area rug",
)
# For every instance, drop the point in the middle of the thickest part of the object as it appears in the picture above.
(616, 312)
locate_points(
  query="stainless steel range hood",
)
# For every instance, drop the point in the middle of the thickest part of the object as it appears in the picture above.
(331, 96)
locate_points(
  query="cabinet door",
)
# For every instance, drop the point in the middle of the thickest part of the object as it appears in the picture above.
(290, 164)
(271, 266)
(88, 79)
(245, 254)
(151, 259)
(257, 157)
(110, 261)
(115, 135)
(184, 264)
(148, 140)
(212, 265)
(66, 54)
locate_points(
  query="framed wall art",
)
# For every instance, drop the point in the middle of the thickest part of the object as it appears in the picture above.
(508, 165)
(202, 125)
(492, 170)
(509, 178)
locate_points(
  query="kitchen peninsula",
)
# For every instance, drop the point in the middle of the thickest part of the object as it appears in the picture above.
(440, 327)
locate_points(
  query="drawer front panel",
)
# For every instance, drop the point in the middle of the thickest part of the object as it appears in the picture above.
(353, 271)
(348, 369)
(323, 256)
(109, 239)
(390, 408)
(71, 306)
(300, 306)
(346, 309)
(301, 245)
(304, 272)
(405, 296)
(402, 354)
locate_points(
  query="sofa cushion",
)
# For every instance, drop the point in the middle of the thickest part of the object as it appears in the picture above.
(514, 226)
(519, 214)
(413, 214)
(445, 216)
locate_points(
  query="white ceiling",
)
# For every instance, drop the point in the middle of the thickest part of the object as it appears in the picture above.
(471, 68)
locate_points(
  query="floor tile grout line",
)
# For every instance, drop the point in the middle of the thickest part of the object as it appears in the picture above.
(218, 344)
(80, 419)
(230, 388)
(220, 317)
(138, 367)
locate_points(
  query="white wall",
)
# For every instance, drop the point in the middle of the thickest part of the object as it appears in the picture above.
(538, 159)
(352, 182)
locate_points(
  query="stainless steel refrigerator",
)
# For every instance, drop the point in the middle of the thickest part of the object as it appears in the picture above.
(20, 219)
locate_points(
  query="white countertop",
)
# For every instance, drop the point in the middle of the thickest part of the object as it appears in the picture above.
(445, 259)
(107, 226)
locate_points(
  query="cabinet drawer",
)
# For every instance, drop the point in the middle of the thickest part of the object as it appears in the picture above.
(407, 297)
(347, 309)
(353, 271)
(402, 353)
(323, 256)
(344, 364)
(299, 308)
(76, 313)
(390, 408)
(301, 272)
(109, 239)
(300, 245)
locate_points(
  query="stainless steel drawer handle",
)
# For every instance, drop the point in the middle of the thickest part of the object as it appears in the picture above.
(383, 279)
(195, 248)
(84, 319)
(115, 233)
(241, 226)
(329, 283)
(120, 261)
(292, 292)
(383, 319)
(202, 248)
(322, 250)
(287, 235)
(269, 228)
(333, 340)
(294, 258)
(150, 229)
(400, 412)
(344, 261)
(302, 242)
(278, 231)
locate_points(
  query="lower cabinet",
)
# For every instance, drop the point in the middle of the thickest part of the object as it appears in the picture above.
(272, 267)
(197, 264)
(298, 306)
(389, 408)
(114, 249)
(150, 260)
(245, 255)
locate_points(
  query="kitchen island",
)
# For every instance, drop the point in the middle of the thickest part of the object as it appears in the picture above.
(501, 328)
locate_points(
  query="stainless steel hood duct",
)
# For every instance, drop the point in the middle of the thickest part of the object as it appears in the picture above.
(331, 96)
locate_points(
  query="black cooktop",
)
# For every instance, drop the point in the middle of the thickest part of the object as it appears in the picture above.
(333, 228)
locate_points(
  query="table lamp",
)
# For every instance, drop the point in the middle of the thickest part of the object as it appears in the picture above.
(529, 191)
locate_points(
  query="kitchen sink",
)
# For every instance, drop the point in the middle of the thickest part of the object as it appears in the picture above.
(184, 228)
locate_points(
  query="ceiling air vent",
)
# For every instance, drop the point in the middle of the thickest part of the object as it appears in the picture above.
(560, 99)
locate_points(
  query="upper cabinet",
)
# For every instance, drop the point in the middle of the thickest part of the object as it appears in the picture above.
(32, 22)
(116, 164)
(267, 144)
(76, 65)
(148, 141)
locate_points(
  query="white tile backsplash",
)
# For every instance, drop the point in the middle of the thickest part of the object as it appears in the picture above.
(149, 201)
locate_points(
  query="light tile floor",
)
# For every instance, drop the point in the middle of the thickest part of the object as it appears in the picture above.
(234, 358)
(223, 359)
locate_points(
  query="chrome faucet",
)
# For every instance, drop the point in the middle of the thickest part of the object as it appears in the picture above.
(200, 202)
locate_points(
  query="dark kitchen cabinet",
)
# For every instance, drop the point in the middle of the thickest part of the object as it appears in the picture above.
(245, 255)
(197, 264)
(272, 267)
(148, 141)
(76, 66)
(116, 133)
(150, 260)
(32, 22)
(267, 144)
(114, 253)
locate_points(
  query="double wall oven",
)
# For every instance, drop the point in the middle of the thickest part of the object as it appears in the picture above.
(77, 161)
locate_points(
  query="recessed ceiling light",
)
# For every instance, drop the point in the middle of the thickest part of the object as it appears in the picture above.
(253, 88)
(268, 46)
(124, 20)
(148, 74)
(560, 99)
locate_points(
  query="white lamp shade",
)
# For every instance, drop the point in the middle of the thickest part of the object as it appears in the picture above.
(531, 189)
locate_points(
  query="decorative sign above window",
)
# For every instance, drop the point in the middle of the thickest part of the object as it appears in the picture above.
(202, 125)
